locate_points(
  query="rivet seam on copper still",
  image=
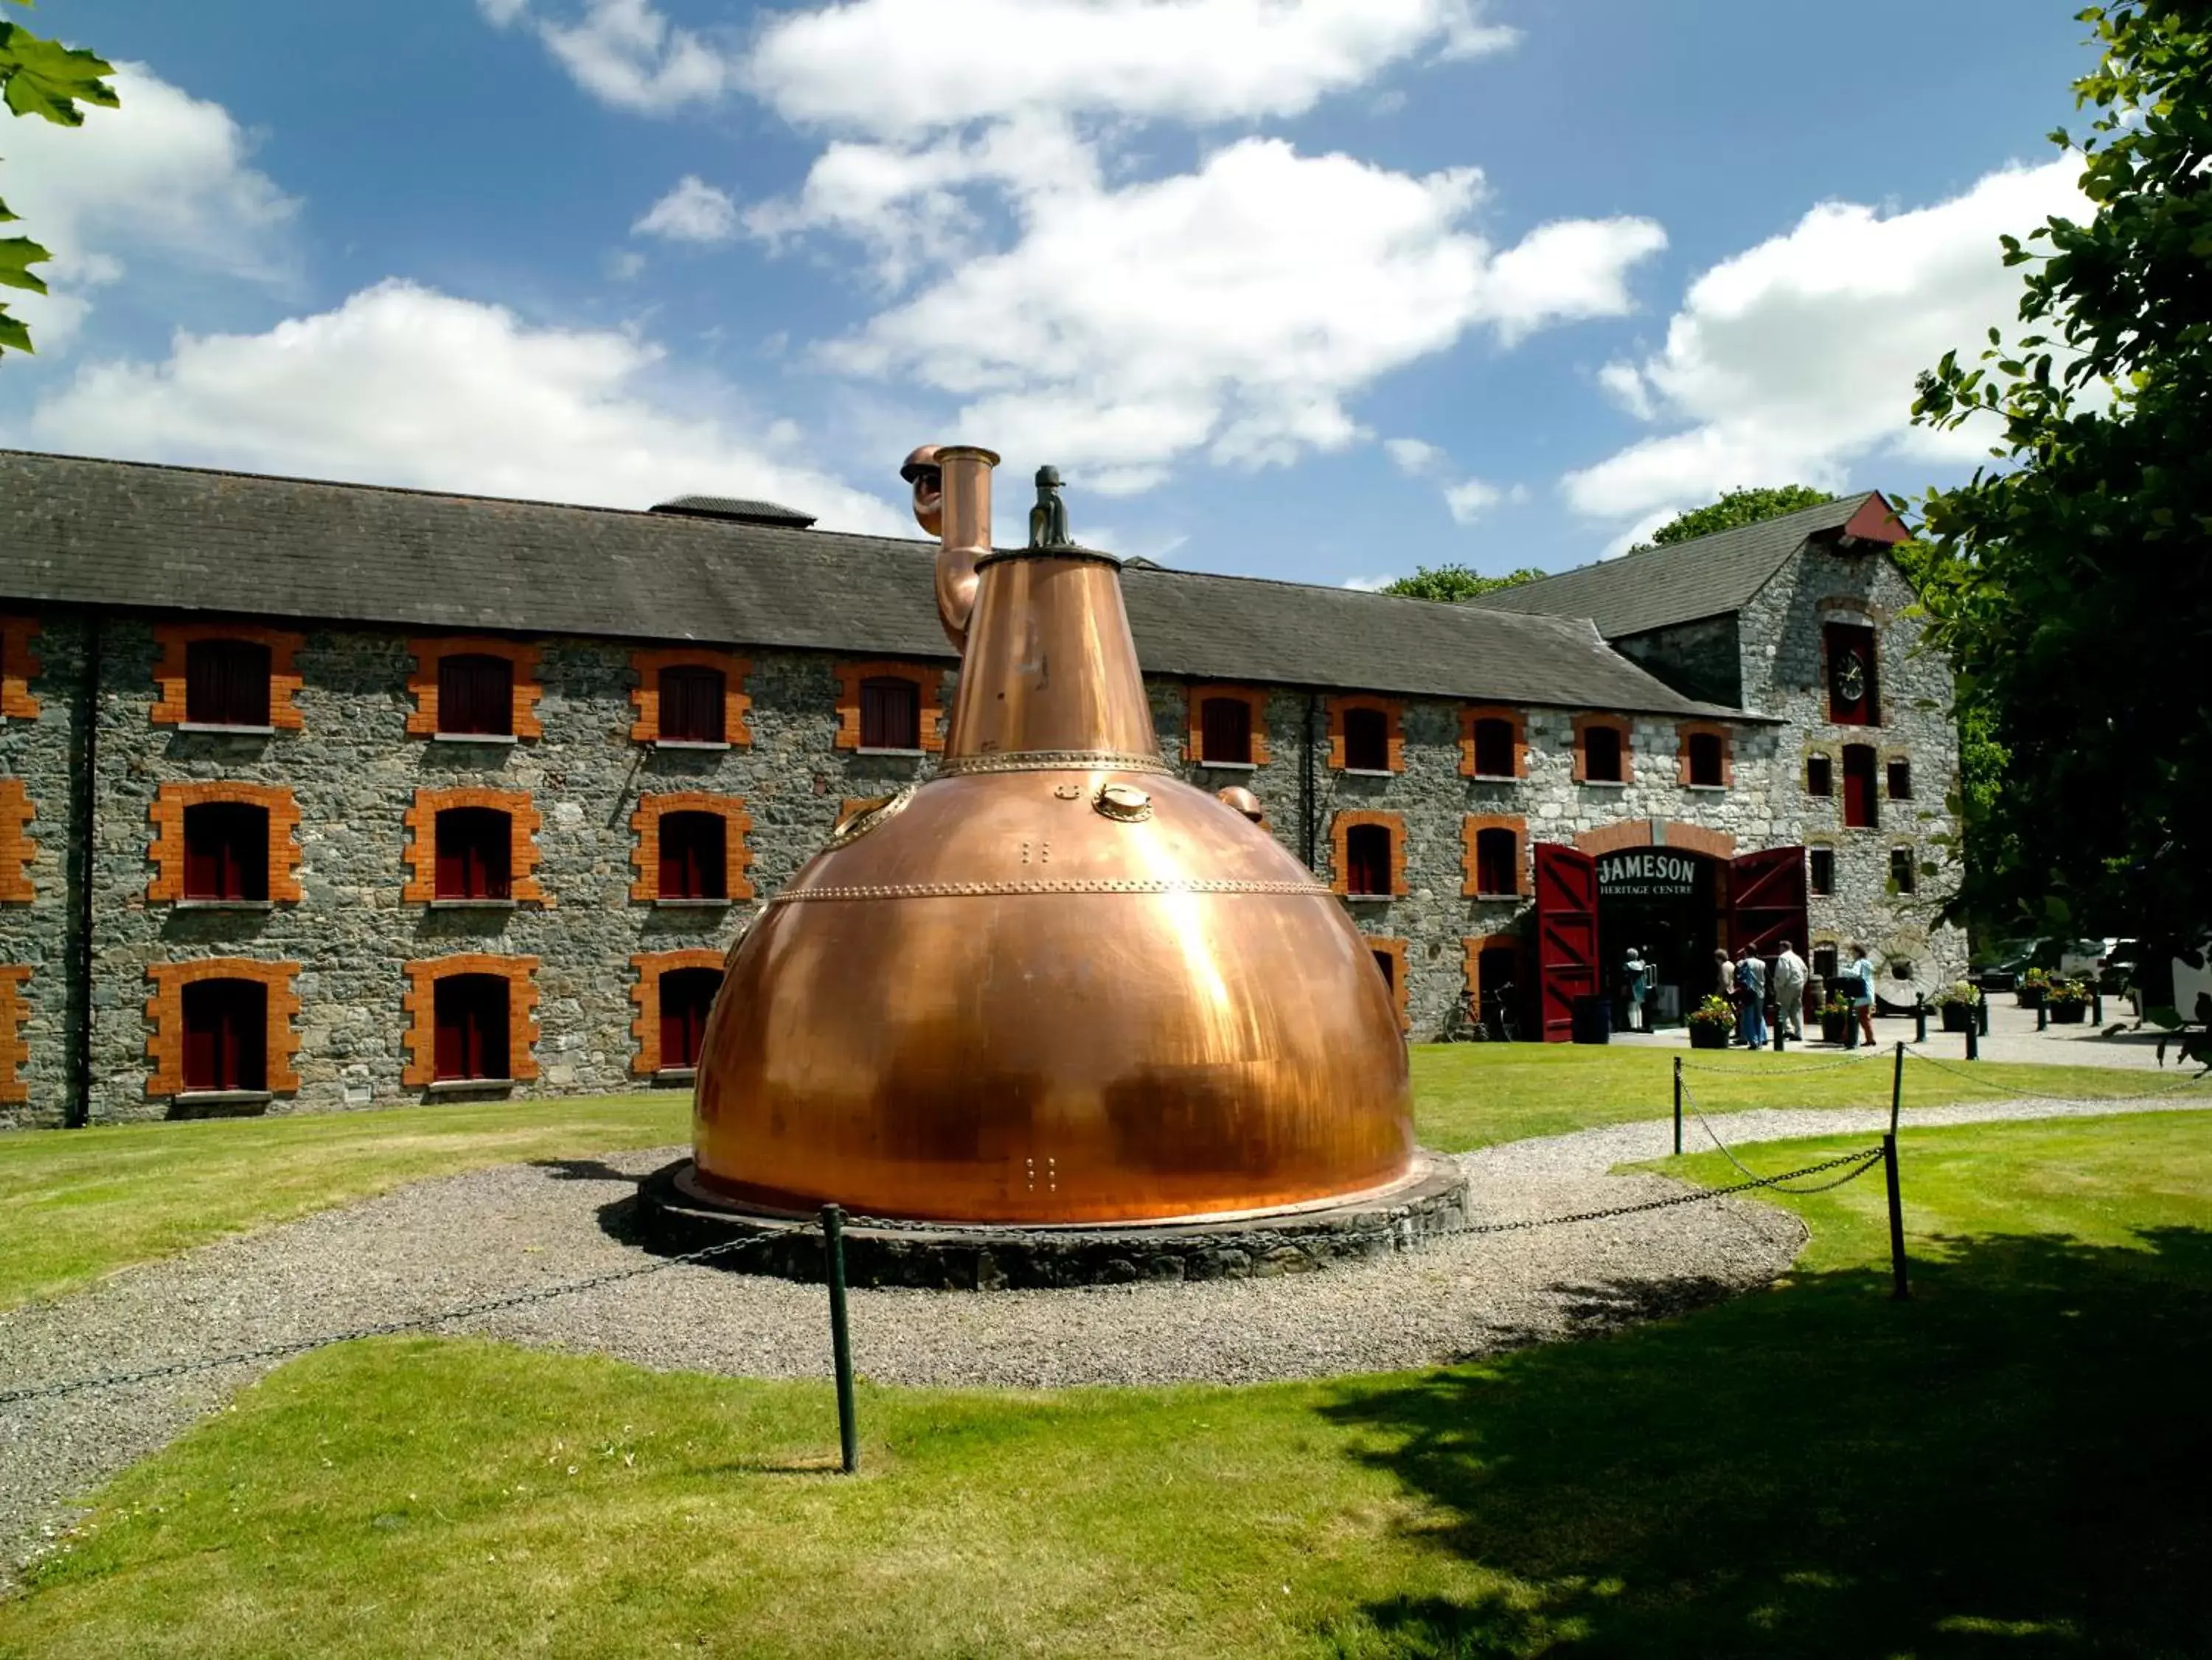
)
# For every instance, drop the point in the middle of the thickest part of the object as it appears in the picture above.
(958, 890)
(1053, 760)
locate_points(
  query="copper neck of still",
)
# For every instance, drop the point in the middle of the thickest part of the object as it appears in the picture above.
(1047, 661)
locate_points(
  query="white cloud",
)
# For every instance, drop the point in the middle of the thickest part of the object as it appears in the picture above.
(694, 211)
(1794, 362)
(405, 385)
(1470, 499)
(907, 68)
(1466, 501)
(624, 52)
(1368, 585)
(1127, 327)
(1413, 456)
(165, 176)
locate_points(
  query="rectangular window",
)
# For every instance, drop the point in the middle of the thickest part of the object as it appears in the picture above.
(1821, 871)
(890, 714)
(226, 1034)
(1496, 862)
(1225, 730)
(1386, 965)
(1901, 871)
(1601, 755)
(1366, 741)
(227, 683)
(1707, 761)
(226, 852)
(1900, 780)
(1820, 776)
(474, 847)
(694, 855)
(1859, 810)
(471, 1011)
(1824, 962)
(691, 705)
(476, 696)
(687, 997)
(1854, 699)
(1367, 859)
(1493, 748)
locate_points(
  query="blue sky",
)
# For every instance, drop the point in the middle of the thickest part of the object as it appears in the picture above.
(1318, 289)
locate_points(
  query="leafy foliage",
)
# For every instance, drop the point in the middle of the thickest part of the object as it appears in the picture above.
(2072, 587)
(1453, 583)
(46, 79)
(1749, 505)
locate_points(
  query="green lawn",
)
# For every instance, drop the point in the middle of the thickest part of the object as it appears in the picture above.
(2009, 1464)
(78, 1204)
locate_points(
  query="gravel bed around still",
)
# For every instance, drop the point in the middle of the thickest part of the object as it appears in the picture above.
(460, 1240)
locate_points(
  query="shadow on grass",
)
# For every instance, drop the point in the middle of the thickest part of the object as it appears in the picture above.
(2018, 1462)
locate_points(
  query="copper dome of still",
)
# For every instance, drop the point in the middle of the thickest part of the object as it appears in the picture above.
(1052, 984)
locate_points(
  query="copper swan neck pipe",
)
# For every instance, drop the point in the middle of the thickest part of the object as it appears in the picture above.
(964, 494)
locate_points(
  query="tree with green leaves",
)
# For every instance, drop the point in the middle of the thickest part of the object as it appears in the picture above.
(2071, 583)
(45, 79)
(1735, 507)
(1454, 583)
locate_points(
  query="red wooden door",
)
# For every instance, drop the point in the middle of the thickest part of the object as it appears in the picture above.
(1766, 900)
(1566, 935)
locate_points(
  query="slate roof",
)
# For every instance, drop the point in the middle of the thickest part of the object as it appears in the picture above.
(133, 534)
(1710, 576)
(738, 507)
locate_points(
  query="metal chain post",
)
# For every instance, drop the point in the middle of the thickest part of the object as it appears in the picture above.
(1677, 1106)
(1896, 1089)
(841, 1334)
(1920, 1017)
(1898, 1292)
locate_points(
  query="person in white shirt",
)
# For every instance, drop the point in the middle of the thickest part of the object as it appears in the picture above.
(1790, 971)
(1863, 992)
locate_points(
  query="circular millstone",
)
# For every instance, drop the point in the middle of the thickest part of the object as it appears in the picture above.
(676, 1215)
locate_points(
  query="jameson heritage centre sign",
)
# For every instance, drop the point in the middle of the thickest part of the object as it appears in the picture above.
(1647, 873)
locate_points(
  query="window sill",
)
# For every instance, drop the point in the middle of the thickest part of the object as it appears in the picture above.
(691, 905)
(223, 905)
(697, 743)
(223, 1097)
(1603, 783)
(676, 1074)
(1229, 766)
(1708, 789)
(474, 737)
(221, 728)
(1367, 772)
(865, 750)
(1501, 897)
(461, 1085)
(1499, 777)
(1371, 898)
(472, 904)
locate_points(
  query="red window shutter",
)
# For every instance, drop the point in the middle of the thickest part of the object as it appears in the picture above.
(473, 853)
(1367, 740)
(1496, 861)
(1858, 785)
(890, 714)
(470, 1012)
(691, 705)
(694, 864)
(226, 1035)
(476, 696)
(1367, 859)
(227, 683)
(203, 1040)
(1493, 748)
(1225, 730)
(687, 997)
(226, 852)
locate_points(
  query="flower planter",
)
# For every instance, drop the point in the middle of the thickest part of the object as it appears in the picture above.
(2069, 1013)
(1958, 1016)
(2031, 997)
(1835, 1029)
(1703, 1036)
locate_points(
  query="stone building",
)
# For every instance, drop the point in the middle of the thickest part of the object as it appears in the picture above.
(316, 796)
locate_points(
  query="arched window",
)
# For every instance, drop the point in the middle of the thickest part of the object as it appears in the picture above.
(1493, 748)
(890, 714)
(1366, 741)
(226, 1035)
(692, 704)
(476, 696)
(1225, 731)
(1387, 965)
(1706, 760)
(687, 997)
(1496, 862)
(227, 683)
(226, 852)
(475, 850)
(470, 1012)
(1367, 859)
(695, 855)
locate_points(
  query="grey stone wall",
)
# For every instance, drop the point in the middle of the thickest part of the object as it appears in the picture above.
(39, 750)
(1702, 659)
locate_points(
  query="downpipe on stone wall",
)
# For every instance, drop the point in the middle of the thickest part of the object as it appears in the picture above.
(84, 798)
(1308, 808)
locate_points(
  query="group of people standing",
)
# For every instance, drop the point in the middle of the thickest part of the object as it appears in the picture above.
(1742, 981)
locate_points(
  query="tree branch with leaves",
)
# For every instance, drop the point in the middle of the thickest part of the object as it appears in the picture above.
(46, 79)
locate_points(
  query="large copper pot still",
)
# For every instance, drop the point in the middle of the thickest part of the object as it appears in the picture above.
(1054, 983)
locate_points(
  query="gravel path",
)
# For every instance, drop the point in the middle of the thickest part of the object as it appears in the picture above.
(464, 1239)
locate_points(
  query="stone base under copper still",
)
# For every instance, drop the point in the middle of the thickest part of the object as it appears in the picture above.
(676, 1213)
(1053, 984)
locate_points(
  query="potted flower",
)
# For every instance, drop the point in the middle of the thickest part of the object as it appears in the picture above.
(2067, 1002)
(1836, 1020)
(1957, 1001)
(2034, 985)
(1710, 1022)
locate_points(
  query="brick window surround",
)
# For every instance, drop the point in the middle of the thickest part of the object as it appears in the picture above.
(1690, 729)
(646, 994)
(645, 696)
(165, 1018)
(645, 850)
(420, 1004)
(422, 856)
(422, 682)
(167, 814)
(1394, 950)
(1339, 830)
(19, 666)
(1636, 832)
(1584, 725)
(1392, 710)
(1473, 948)
(1471, 829)
(175, 640)
(1256, 701)
(1493, 711)
(15, 1048)
(928, 683)
(17, 849)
